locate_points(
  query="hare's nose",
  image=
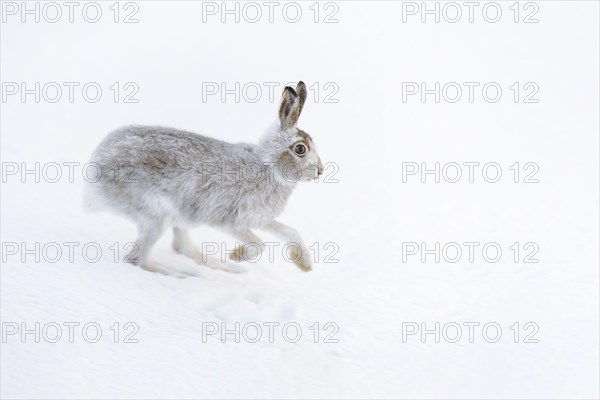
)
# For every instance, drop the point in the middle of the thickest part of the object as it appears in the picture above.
(320, 167)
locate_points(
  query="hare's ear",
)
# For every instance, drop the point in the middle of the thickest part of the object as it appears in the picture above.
(302, 95)
(288, 109)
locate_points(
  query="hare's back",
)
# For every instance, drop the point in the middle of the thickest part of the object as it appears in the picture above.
(139, 159)
(153, 146)
(151, 168)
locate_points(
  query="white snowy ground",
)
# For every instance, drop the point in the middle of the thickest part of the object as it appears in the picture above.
(371, 295)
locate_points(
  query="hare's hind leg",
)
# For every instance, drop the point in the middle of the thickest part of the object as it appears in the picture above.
(182, 243)
(150, 230)
(250, 250)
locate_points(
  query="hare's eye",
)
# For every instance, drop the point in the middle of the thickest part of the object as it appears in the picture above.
(300, 149)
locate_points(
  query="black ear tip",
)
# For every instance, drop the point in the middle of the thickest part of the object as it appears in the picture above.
(300, 83)
(292, 91)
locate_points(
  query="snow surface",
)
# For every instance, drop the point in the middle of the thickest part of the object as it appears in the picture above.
(371, 293)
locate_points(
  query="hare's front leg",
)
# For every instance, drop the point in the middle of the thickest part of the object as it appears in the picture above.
(302, 260)
(182, 243)
(251, 248)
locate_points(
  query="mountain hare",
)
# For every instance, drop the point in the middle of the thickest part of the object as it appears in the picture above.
(163, 177)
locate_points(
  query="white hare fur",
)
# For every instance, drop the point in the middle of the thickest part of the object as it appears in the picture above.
(163, 177)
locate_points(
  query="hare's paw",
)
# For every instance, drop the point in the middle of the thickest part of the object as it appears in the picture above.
(214, 263)
(133, 258)
(304, 265)
(244, 253)
(157, 268)
(238, 254)
(152, 267)
(236, 269)
(300, 258)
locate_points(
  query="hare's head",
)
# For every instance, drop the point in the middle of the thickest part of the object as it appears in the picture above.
(290, 148)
